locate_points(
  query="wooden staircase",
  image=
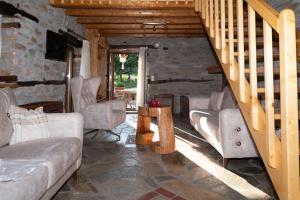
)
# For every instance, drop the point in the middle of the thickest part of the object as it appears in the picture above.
(252, 40)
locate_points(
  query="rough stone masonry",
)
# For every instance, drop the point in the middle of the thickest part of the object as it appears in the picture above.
(24, 51)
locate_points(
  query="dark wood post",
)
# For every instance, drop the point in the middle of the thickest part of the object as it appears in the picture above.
(69, 72)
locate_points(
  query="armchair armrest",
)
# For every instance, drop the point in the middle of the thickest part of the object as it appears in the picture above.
(198, 102)
(118, 104)
(66, 125)
(235, 138)
(97, 116)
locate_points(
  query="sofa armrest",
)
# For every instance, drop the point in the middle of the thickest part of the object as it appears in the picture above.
(118, 104)
(66, 125)
(236, 140)
(198, 102)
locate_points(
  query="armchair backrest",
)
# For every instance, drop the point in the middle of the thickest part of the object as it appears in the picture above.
(84, 91)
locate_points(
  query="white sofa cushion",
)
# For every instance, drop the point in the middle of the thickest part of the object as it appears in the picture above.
(58, 154)
(215, 101)
(30, 186)
(28, 124)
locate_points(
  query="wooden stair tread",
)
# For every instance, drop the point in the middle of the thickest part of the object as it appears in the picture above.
(216, 69)
(259, 55)
(260, 70)
(259, 42)
(276, 90)
(259, 31)
(277, 116)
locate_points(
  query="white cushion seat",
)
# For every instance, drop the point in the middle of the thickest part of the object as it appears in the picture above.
(30, 186)
(57, 154)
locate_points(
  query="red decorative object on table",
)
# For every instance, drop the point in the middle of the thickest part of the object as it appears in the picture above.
(154, 103)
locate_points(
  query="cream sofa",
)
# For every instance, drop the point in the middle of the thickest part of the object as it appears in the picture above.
(221, 123)
(38, 168)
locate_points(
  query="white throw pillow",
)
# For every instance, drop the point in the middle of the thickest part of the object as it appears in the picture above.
(215, 101)
(28, 124)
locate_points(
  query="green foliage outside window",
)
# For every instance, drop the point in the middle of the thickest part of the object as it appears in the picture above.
(128, 76)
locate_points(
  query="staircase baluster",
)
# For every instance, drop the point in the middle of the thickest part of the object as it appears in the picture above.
(231, 39)
(211, 18)
(223, 32)
(241, 50)
(200, 6)
(206, 13)
(253, 66)
(269, 94)
(217, 25)
(203, 9)
(196, 5)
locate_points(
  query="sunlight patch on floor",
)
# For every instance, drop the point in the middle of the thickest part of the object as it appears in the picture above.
(232, 180)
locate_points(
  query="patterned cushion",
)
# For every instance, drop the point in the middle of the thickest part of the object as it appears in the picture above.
(87, 97)
(28, 124)
(6, 99)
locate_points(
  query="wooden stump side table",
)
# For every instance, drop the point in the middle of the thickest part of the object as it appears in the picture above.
(166, 143)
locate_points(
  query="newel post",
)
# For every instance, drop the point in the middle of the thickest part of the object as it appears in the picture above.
(289, 106)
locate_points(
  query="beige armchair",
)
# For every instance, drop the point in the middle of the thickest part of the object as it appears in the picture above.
(104, 115)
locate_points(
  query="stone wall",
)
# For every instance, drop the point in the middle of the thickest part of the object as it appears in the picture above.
(178, 58)
(24, 50)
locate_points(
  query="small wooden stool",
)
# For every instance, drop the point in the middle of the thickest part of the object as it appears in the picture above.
(144, 135)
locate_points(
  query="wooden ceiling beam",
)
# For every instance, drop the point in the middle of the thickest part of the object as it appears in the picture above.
(150, 31)
(143, 27)
(177, 35)
(131, 13)
(138, 20)
(138, 4)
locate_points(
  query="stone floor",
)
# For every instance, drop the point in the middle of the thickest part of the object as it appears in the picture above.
(124, 171)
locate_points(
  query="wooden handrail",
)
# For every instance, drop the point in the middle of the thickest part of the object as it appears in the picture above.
(266, 11)
(224, 24)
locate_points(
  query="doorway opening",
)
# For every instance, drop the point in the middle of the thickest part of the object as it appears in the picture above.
(127, 76)
(125, 83)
